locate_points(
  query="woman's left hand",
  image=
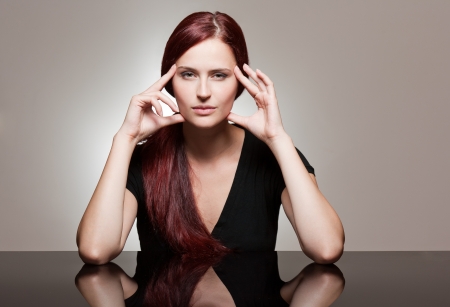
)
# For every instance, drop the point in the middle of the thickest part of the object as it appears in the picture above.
(266, 123)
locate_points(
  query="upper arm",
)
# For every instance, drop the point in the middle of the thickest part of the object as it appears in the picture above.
(130, 207)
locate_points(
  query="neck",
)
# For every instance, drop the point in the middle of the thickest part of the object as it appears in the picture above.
(210, 144)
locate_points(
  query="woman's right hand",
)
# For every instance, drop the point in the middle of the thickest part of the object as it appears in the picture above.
(141, 121)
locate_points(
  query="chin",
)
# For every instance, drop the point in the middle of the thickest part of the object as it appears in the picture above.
(205, 122)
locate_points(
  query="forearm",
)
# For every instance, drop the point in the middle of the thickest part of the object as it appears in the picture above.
(318, 227)
(100, 229)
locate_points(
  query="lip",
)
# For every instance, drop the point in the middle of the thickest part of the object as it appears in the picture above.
(203, 109)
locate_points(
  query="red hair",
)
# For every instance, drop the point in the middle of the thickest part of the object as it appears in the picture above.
(198, 27)
(172, 282)
(169, 196)
(166, 172)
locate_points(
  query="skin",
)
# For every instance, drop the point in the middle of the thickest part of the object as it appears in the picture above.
(207, 75)
(108, 285)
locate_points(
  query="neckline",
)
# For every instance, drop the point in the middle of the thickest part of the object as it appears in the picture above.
(231, 194)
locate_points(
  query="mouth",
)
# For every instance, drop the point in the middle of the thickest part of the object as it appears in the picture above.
(204, 109)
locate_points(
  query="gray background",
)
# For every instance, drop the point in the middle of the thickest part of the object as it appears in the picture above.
(363, 88)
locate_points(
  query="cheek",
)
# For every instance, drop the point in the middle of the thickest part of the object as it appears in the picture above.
(180, 90)
(226, 91)
(176, 86)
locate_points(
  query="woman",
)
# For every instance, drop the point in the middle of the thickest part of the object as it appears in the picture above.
(200, 185)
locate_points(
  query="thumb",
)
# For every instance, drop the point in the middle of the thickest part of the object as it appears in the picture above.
(240, 120)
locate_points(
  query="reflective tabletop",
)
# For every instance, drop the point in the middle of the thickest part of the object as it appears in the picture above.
(247, 279)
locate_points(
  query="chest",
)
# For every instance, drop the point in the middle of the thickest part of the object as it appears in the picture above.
(211, 185)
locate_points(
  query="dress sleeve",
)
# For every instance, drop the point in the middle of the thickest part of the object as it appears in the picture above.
(134, 180)
(305, 162)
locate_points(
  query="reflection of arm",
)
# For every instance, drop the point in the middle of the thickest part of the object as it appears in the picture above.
(316, 285)
(105, 285)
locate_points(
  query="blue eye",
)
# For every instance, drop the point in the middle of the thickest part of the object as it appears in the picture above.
(187, 74)
(220, 76)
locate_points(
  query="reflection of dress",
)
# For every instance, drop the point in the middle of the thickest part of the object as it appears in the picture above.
(252, 278)
(249, 220)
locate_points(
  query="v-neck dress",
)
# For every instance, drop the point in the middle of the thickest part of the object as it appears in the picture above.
(249, 219)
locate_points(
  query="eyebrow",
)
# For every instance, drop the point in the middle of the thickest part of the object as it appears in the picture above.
(212, 70)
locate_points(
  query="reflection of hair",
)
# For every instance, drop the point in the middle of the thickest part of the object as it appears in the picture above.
(170, 280)
(198, 27)
(169, 196)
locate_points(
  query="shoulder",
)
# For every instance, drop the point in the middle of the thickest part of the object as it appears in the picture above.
(136, 157)
(135, 179)
(254, 146)
(137, 152)
(260, 150)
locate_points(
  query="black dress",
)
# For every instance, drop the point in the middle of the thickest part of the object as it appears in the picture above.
(249, 220)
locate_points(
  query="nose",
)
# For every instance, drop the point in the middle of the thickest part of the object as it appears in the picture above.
(203, 90)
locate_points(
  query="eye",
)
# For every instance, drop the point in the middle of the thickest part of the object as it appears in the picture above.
(219, 76)
(187, 75)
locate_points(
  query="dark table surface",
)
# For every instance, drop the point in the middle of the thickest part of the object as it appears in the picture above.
(371, 278)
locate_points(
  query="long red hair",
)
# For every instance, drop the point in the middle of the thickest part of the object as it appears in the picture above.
(170, 279)
(166, 172)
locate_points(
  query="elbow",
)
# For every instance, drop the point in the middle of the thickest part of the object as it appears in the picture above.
(332, 251)
(97, 254)
(330, 255)
(94, 256)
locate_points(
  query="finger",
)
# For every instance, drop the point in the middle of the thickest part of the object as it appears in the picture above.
(254, 76)
(267, 81)
(157, 105)
(170, 120)
(164, 98)
(148, 101)
(153, 100)
(159, 85)
(240, 120)
(146, 98)
(251, 88)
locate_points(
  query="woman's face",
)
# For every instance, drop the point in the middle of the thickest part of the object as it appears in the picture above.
(204, 84)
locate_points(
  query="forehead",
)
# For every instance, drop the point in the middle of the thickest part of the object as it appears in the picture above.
(209, 54)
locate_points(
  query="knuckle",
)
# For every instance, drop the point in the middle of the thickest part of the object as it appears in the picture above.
(150, 89)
